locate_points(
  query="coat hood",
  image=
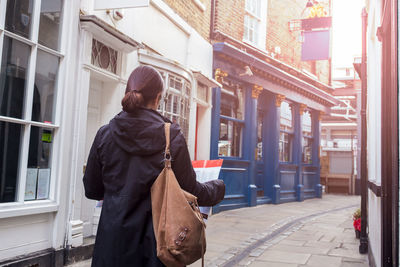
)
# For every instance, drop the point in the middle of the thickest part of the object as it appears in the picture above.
(142, 132)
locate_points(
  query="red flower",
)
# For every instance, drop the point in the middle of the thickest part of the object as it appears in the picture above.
(357, 224)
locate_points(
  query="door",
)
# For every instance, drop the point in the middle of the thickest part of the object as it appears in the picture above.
(90, 214)
(259, 154)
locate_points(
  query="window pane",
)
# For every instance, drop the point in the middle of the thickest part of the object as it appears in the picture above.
(260, 119)
(230, 138)
(306, 123)
(13, 74)
(285, 147)
(19, 17)
(50, 20)
(45, 87)
(286, 117)
(10, 142)
(307, 150)
(40, 149)
(232, 105)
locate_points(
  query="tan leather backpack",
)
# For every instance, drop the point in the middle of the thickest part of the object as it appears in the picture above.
(178, 224)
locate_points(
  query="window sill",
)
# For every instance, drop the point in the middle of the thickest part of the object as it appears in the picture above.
(8, 210)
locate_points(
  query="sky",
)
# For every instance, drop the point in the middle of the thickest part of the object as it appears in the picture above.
(346, 31)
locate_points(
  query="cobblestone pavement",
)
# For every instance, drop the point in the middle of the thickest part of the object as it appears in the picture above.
(316, 232)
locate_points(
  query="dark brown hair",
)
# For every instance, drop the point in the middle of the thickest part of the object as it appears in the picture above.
(143, 86)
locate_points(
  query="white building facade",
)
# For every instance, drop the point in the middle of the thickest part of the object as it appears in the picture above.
(382, 126)
(64, 68)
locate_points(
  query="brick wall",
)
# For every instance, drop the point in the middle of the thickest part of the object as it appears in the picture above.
(278, 34)
(193, 15)
(229, 17)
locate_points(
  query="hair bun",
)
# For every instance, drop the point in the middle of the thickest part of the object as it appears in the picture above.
(132, 100)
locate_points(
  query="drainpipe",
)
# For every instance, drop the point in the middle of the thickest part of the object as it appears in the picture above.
(363, 248)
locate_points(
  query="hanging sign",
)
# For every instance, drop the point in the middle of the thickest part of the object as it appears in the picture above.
(116, 4)
(316, 45)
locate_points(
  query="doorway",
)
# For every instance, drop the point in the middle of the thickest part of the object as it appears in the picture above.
(103, 104)
(261, 182)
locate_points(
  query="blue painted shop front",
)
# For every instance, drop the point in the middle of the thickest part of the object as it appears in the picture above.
(268, 137)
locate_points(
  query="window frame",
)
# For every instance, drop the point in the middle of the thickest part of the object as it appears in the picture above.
(181, 95)
(26, 122)
(239, 122)
(252, 21)
(290, 133)
(309, 137)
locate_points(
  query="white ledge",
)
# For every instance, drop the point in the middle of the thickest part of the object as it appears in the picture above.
(8, 210)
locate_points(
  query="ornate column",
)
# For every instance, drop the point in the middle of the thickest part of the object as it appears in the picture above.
(274, 117)
(256, 90)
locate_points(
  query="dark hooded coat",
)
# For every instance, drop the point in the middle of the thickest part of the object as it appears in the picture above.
(125, 159)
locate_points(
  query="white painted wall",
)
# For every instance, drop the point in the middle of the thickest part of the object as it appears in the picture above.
(26, 234)
(43, 224)
(158, 27)
(374, 127)
(171, 44)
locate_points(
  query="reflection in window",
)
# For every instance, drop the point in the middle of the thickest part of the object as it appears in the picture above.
(19, 17)
(285, 147)
(45, 84)
(259, 152)
(286, 133)
(39, 163)
(50, 22)
(232, 103)
(306, 123)
(286, 117)
(307, 141)
(230, 134)
(13, 74)
(307, 150)
(10, 142)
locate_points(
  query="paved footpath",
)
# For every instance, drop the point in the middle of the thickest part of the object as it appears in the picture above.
(316, 232)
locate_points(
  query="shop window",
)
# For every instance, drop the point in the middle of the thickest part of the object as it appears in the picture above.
(259, 150)
(307, 140)
(231, 123)
(286, 133)
(19, 17)
(28, 96)
(13, 77)
(175, 103)
(39, 164)
(45, 87)
(50, 21)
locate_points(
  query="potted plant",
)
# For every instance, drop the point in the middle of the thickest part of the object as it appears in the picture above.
(357, 222)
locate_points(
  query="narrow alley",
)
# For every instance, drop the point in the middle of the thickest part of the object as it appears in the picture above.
(316, 232)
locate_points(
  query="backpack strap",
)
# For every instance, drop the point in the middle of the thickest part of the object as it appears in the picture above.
(167, 153)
